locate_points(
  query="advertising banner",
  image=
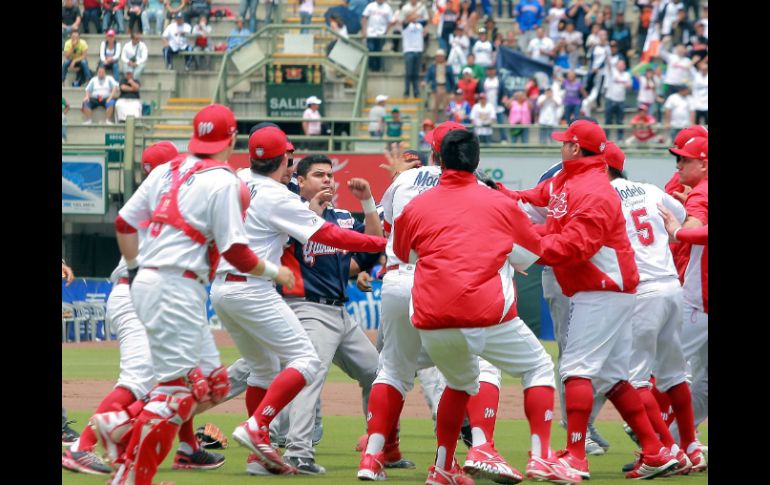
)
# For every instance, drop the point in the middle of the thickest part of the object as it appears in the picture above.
(83, 185)
(288, 86)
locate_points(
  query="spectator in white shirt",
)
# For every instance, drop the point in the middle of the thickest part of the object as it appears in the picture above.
(134, 55)
(413, 45)
(375, 22)
(312, 127)
(679, 111)
(482, 49)
(549, 114)
(176, 39)
(458, 53)
(618, 83)
(700, 87)
(305, 13)
(201, 33)
(482, 116)
(101, 90)
(377, 117)
(556, 13)
(541, 47)
(678, 67)
(109, 53)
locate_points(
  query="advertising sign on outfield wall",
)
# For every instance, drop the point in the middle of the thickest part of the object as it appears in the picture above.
(83, 185)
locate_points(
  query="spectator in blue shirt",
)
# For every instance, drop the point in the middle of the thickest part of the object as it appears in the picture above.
(238, 35)
(529, 14)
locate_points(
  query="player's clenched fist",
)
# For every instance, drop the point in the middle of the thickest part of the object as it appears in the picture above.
(360, 188)
(285, 277)
(321, 200)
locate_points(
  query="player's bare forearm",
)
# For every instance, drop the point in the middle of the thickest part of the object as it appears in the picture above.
(372, 224)
(128, 245)
(692, 222)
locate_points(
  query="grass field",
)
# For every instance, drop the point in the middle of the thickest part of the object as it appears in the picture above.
(335, 452)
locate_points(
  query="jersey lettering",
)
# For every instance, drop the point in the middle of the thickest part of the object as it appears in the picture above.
(425, 179)
(557, 206)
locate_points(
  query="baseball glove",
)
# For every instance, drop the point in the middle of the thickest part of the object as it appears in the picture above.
(210, 436)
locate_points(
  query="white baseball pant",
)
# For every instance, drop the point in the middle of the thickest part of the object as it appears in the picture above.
(599, 338)
(263, 327)
(558, 306)
(173, 311)
(695, 340)
(136, 373)
(655, 327)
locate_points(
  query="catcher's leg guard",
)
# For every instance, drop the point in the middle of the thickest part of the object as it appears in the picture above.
(153, 434)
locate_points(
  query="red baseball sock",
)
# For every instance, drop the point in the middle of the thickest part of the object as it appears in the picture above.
(187, 435)
(664, 404)
(629, 404)
(136, 407)
(118, 398)
(391, 449)
(282, 390)
(681, 401)
(449, 420)
(385, 405)
(579, 400)
(653, 412)
(254, 396)
(538, 407)
(482, 410)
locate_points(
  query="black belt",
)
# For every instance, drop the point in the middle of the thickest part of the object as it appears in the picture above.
(325, 301)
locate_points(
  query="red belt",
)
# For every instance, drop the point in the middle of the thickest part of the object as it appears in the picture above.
(122, 281)
(235, 277)
(187, 274)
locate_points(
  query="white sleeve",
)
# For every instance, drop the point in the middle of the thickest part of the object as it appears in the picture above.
(675, 207)
(291, 216)
(225, 216)
(367, 11)
(123, 55)
(137, 209)
(141, 53)
(387, 203)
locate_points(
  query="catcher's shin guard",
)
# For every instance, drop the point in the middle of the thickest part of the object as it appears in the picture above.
(153, 434)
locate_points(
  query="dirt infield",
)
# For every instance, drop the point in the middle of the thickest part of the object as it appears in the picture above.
(338, 398)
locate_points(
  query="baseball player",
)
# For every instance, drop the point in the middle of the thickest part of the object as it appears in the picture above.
(261, 323)
(401, 353)
(657, 318)
(474, 313)
(318, 299)
(586, 243)
(192, 209)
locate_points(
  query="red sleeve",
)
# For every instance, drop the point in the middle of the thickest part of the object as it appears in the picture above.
(123, 227)
(336, 237)
(697, 205)
(121, 4)
(539, 195)
(695, 235)
(507, 192)
(540, 229)
(578, 241)
(673, 185)
(402, 235)
(240, 256)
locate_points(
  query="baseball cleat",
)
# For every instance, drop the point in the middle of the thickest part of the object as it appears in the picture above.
(305, 466)
(597, 438)
(542, 470)
(253, 467)
(68, 435)
(84, 462)
(370, 467)
(258, 441)
(651, 466)
(112, 430)
(198, 460)
(573, 463)
(485, 461)
(393, 458)
(683, 466)
(455, 476)
(698, 461)
(593, 448)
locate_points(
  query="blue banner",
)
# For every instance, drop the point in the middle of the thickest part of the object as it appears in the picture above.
(515, 68)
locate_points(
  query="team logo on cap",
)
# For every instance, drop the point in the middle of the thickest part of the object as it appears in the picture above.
(259, 151)
(204, 128)
(601, 147)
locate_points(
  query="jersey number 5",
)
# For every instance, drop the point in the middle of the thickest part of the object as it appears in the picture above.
(643, 229)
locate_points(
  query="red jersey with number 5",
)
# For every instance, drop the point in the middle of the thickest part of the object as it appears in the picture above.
(645, 227)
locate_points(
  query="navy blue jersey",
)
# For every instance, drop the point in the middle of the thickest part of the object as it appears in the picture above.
(320, 270)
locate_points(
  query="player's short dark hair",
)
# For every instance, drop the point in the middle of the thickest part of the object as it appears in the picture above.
(460, 150)
(303, 167)
(266, 166)
(587, 153)
(615, 173)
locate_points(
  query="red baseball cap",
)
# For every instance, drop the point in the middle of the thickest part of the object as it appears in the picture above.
(213, 129)
(614, 156)
(434, 137)
(268, 142)
(158, 154)
(585, 133)
(697, 147)
(686, 134)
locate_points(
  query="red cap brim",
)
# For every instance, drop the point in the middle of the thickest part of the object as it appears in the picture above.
(207, 148)
(560, 136)
(289, 146)
(684, 153)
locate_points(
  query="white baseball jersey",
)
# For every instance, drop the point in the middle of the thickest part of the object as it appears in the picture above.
(274, 214)
(645, 227)
(209, 201)
(406, 187)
